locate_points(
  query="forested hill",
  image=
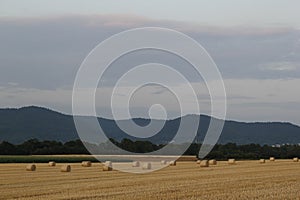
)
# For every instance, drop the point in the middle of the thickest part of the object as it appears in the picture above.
(19, 125)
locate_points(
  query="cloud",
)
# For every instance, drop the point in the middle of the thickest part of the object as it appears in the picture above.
(40, 58)
(12, 84)
(281, 66)
(127, 21)
(46, 53)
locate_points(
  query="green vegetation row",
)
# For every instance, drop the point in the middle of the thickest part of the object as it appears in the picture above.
(220, 152)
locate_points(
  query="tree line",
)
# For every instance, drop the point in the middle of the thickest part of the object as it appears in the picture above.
(220, 151)
(36, 147)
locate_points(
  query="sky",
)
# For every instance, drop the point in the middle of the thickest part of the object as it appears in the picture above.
(214, 12)
(255, 45)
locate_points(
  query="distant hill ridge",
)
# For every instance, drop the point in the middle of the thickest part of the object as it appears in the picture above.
(20, 124)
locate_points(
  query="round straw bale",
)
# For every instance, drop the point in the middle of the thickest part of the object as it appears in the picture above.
(172, 163)
(262, 161)
(108, 163)
(296, 159)
(65, 168)
(86, 164)
(52, 164)
(31, 167)
(135, 164)
(163, 162)
(146, 165)
(212, 162)
(107, 166)
(272, 159)
(231, 161)
(204, 163)
(198, 161)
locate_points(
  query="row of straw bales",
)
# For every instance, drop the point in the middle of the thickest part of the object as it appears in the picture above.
(206, 163)
(64, 168)
(107, 166)
(272, 159)
(148, 165)
(212, 162)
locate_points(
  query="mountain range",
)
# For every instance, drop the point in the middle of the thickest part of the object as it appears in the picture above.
(20, 124)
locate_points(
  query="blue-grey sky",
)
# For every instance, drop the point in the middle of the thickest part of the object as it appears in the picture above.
(255, 44)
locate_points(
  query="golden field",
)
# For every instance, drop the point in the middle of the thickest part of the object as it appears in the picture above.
(245, 180)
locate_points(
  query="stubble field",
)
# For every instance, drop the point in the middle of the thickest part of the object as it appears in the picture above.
(245, 180)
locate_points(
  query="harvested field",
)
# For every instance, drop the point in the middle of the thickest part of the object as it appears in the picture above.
(245, 180)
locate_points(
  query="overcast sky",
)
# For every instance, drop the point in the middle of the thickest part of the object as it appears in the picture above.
(255, 44)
